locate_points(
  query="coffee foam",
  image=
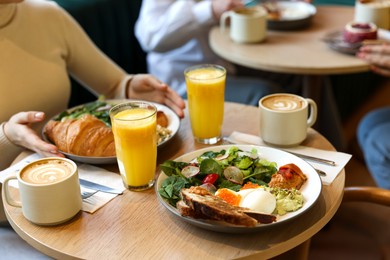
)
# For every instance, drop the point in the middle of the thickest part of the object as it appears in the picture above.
(47, 171)
(283, 103)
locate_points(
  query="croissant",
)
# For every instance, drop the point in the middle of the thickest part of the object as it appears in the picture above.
(86, 136)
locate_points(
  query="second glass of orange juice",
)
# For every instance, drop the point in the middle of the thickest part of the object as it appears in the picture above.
(206, 96)
(134, 127)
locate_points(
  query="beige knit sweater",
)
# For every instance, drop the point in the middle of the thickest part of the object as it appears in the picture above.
(40, 46)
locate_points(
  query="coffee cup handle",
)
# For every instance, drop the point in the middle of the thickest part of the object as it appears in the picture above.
(224, 17)
(7, 193)
(313, 112)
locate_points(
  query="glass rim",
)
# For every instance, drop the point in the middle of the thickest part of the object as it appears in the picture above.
(137, 104)
(207, 65)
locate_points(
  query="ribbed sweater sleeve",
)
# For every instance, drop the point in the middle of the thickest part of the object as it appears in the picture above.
(9, 150)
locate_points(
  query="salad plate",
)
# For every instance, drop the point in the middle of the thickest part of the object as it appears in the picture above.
(173, 126)
(311, 189)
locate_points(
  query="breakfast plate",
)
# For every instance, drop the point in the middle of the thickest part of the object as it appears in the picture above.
(311, 189)
(173, 126)
(292, 15)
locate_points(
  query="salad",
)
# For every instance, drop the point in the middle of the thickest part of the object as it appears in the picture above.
(233, 169)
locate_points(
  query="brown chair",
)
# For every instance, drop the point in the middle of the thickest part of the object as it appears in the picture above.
(367, 194)
(373, 195)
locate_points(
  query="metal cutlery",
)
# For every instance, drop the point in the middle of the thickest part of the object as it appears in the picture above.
(313, 159)
(99, 187)
(87, 194)
(320, 172)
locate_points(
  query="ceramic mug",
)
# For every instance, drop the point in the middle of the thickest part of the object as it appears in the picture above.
(285, 118)
(247, 25)
(49, 191)
(373, 11)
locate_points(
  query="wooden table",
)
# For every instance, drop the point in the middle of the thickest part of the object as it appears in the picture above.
(136, 226)
(301, 52)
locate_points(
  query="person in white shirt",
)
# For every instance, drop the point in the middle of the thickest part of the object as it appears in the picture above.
(175, 36)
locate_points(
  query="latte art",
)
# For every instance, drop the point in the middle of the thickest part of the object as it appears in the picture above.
(47, 171)
(283, 103)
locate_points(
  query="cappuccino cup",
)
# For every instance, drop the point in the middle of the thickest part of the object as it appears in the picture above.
(373, 11)
(285, 118)
(49, 191)
(247, 25)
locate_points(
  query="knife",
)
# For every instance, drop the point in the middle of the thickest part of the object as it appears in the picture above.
(99, 187)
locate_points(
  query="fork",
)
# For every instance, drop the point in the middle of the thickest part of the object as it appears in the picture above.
(87, 194)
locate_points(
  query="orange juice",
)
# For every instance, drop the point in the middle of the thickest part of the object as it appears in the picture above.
(136, 146)
(206, 91)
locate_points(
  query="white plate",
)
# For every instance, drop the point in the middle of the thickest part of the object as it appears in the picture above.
(173, 125)
(311, 190)
(293, 15)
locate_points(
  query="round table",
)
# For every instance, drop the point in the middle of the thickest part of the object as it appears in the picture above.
(302, 52)
(135, 225)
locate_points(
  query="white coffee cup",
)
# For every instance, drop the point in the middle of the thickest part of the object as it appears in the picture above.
(247, 25)
(373, 11)
(285, 118)
(49, 191)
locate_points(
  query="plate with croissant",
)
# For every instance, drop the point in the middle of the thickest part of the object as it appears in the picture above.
(83, 133)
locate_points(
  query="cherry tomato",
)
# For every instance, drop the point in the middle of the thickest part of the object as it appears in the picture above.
(210, 178)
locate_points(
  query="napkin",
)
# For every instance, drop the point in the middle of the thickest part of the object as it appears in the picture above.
(341, 159)
(87, 172)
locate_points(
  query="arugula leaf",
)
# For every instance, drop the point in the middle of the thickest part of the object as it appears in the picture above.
(99, 109)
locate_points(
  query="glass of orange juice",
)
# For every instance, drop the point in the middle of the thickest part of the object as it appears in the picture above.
(206, 96)
(135, 134)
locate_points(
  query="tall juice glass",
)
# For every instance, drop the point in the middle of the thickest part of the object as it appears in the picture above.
(206, 95)
(135, 133)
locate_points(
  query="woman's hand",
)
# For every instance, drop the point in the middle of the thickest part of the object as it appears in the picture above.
(147, 87)
(19, 132)
(378, 56)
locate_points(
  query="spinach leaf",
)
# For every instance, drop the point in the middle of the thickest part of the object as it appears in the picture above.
(170, 188)
(210, 166)
(170, 167)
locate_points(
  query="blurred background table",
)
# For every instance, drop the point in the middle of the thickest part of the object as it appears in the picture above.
(135, 225)
(305, 53)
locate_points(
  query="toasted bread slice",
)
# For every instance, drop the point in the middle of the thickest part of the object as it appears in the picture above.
(199, 203)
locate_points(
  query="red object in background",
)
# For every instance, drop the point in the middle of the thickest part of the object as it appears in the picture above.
(355, 32)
